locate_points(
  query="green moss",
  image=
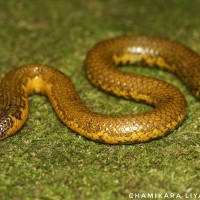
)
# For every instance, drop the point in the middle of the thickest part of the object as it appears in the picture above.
(46, 160)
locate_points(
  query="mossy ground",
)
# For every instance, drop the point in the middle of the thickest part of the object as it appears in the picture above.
(46, 160)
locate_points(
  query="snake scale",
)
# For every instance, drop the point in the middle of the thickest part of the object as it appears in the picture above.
(169, 105)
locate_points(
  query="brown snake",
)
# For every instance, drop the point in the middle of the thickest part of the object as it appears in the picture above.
(169, 104)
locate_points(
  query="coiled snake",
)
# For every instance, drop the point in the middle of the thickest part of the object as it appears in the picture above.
(100, 64)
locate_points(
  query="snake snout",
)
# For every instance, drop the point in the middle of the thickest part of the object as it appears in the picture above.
(6, 123)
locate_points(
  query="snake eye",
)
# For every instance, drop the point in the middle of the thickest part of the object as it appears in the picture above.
(5, 124)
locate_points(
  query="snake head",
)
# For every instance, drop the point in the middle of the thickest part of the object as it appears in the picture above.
(6, 124)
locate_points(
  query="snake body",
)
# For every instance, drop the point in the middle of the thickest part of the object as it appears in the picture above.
(100, 64)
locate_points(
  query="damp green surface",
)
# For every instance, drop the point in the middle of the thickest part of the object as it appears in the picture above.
(46, 160)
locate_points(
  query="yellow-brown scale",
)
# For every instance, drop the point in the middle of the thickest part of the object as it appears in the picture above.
(169, 104)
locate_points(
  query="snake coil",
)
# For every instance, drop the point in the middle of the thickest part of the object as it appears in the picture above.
(100, 64)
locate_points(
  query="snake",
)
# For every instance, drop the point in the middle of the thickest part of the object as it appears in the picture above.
(102, 66)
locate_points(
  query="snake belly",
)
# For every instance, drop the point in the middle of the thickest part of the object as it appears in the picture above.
(100, 64)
